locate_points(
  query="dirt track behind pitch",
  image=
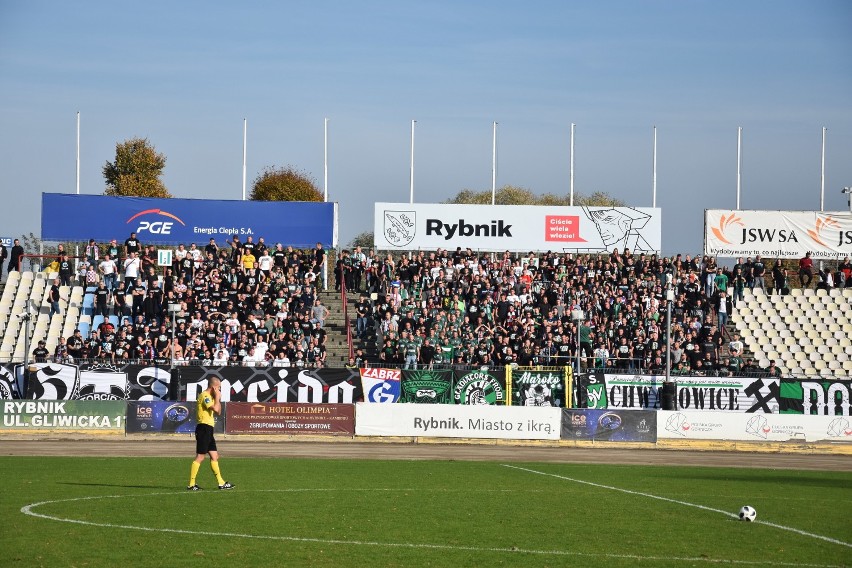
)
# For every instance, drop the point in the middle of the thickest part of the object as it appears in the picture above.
(183, 446)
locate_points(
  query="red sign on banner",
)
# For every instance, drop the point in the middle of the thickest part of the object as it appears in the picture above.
(289, 418)
(564, 228)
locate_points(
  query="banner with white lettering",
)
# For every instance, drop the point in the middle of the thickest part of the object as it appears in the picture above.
(737, 394)
(703, 425)
(480, 387)
(274, 384)
(539, 388)
(429, 226)
(821, 396)
(458, 421)
(381, 385)
(76, 415)
(778, 234)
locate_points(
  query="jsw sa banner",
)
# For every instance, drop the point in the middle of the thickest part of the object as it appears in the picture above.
(413, 226)
(173, 221)
(778, 234)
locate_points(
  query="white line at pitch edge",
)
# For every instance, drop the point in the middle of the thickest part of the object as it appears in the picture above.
(28, 510)
(685, 503)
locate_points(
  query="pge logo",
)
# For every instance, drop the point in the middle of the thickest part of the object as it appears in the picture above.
(156, 227)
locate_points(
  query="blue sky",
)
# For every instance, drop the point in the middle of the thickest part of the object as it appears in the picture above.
(185, 74)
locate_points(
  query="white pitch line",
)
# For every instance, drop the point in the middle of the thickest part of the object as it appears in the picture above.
(685, 503)
(28, 510)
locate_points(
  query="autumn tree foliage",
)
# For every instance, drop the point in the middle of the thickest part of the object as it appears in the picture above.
(513, 195)
(284, 184)
(136, 170)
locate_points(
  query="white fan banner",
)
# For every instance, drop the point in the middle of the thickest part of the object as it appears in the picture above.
(430, 226)
(778, 234)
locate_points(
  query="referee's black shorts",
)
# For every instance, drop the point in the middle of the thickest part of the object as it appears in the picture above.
(204, 441)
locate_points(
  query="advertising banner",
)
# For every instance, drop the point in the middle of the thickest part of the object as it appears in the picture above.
(539, 388)
(77, 415)
(429, 226)
(274, 384)
(609, 425)
(738, 394)
(458, 421)
(735, 426)
(175, 221)
(157, 416)
(778, 234)
(822, 396)
(427, 386)
(62, 381)
(293, 418)
(480, 387)
(381, 385)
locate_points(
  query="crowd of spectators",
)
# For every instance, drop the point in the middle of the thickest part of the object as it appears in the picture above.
(242, 304)
(462, 308)
(249, 304)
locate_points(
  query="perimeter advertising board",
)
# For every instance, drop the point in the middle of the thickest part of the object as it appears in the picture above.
(609, 425)
(295, 418)
(697, 425)
(159, 416)
(67, 415)
(458, 421)
(429, 226)
(778, 234)
(173, 221)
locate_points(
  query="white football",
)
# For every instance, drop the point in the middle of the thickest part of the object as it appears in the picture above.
(748, 514)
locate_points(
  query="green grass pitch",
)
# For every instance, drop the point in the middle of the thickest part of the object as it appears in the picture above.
(301, 512)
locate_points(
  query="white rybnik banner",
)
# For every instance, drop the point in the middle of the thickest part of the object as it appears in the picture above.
(430, 226)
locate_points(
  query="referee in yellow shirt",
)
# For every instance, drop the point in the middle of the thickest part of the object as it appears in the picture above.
(207, 404)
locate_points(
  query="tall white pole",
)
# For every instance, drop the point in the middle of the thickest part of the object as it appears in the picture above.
(78, 152)
(654, 172)
(571, 166)
(245, 141)
(494, 165)
(325, 161)
(822, 174)
(739, 164)
(411, 174)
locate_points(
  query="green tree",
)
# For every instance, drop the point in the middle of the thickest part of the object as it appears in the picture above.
(136, 170)
(365, 240)
(284, 184)
(513, 195)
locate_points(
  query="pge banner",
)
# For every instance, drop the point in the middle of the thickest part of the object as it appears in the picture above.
(274, 384)
(174, 221)
(275, 418)
(413, 226)
(609, 425)
(738, 394)
(76, 415)
(381, 385)
(480, 387)
(427, 386)
(695, 425)
(778, 234)
(157, 416)
(458, 421)
(823, 396)
(539, 388)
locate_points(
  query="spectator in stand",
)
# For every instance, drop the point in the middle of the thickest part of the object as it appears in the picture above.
(65, 270)
(724, 308)
(109, 272)
(132, 267)
(759, 270)
(132, 244)
(102, 300)
(53, 297)
(806, 270)
(15, 256)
